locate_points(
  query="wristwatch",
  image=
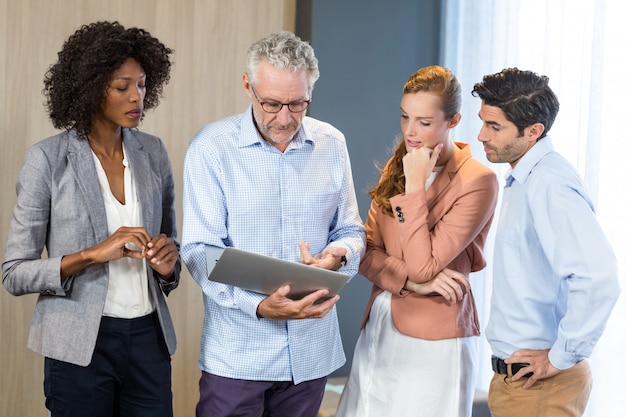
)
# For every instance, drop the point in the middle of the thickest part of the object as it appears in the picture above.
(343, 262)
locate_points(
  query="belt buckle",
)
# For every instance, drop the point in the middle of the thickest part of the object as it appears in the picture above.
(516, 367)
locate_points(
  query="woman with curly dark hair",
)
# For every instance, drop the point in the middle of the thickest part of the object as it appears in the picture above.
(99, 198)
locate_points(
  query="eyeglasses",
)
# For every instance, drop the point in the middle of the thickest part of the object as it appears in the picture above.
(276, 106)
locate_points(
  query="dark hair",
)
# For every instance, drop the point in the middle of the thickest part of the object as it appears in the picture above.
(75, 85)
(523, 96)
(434, 79)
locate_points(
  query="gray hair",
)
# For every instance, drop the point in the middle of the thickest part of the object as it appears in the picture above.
(283, 50)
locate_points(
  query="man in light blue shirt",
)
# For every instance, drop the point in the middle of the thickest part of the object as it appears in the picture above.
(276, 182)
(554, 272)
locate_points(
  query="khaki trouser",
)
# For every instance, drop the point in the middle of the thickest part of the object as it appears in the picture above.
(563, 395)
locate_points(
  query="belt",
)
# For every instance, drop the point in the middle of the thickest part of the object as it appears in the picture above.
(500, 367)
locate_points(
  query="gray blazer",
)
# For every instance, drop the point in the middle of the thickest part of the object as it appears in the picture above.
(60, 208)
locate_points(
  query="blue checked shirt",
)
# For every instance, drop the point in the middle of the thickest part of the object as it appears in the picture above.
(554, 272)
(240, 191)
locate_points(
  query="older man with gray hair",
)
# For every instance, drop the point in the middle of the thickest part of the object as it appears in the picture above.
(275, 182)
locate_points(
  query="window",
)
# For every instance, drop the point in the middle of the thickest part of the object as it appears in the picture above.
(579, 44)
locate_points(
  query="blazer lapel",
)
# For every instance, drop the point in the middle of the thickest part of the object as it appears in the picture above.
(443, 180)
(439, 185)
(81, 159)
(144, 180)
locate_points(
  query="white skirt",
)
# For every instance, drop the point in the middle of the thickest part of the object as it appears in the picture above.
(400, 376)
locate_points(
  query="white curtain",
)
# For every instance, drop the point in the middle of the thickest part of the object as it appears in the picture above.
(581, 46)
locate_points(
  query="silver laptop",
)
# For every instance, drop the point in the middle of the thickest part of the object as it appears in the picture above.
(265, 274)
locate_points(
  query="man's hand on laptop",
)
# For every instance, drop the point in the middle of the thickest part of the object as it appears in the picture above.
(279, 307)
(330, 258)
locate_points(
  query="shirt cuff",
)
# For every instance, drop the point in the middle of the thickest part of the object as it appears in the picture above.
(563, 360)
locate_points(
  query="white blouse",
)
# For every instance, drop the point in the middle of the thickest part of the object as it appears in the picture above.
(127, 294)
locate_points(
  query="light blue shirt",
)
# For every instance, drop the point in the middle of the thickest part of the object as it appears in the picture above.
(555, 277)
(240, 191)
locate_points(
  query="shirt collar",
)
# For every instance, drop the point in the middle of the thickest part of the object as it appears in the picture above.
(531, 158)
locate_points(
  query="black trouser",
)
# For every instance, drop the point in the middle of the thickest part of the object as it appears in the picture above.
(129, 374)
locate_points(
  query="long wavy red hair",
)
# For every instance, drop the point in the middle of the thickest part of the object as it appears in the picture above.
(433, 79)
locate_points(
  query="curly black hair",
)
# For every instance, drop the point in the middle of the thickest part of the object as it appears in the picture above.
(524, 96)
(75, 85)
